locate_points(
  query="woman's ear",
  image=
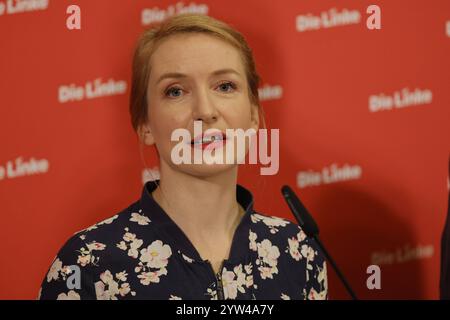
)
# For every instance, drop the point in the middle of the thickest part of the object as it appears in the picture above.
(255, 116)
(145, 135)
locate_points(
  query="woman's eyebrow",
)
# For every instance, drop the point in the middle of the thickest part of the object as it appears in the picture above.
(178, 75)
(223, 71)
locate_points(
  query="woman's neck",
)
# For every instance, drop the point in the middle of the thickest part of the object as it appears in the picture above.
(205, 208)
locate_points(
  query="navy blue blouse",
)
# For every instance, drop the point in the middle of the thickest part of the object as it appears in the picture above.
(141, 253)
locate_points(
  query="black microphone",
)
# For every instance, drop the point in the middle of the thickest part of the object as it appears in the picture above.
(310, 228)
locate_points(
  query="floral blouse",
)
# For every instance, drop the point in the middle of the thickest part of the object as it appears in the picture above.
(141, 253)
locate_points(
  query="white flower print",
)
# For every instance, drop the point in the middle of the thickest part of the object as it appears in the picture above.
(131, 243)
(129, 237)
(229, 284)
(156, 255)
(149, 277)
(244, 277)
(299, 248)
(122, 276)
(267, 259)
(267, 272)
(134, 246)
(239, 279)
(108, 288)
(106, 221)
(66, 271)
(71, 295)
(122, 245)
(124, 289)
(301, 235)
(308, 252)
(211, 292)
(293, 248)
(54, 271)
(109, 220)
(252, 238)
(271, 222)
(58, 270)
(285, 297)
(86, 254)
(268, 252)
(323, 282)
(132, 257)
(185, 257)
(304, 251)
(322, 276)
(95, 246)
(139, 218)
(84, 259)
(268, 255)
(314, 295)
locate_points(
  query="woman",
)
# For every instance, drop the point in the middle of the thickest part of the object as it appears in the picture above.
(193, 234)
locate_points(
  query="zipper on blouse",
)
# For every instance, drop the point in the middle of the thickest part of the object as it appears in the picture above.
(219, 284)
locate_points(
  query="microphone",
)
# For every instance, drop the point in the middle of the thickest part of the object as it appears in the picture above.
(310, 228)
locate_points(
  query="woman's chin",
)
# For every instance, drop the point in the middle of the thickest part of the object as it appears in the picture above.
(205, 170)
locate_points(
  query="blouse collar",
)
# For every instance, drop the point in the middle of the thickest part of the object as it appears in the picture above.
(170, 231)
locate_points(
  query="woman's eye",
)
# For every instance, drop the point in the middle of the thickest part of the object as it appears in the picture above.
(227, 86)
(173, 92)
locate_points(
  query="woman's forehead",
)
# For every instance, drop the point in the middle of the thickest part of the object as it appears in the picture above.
(195, 53)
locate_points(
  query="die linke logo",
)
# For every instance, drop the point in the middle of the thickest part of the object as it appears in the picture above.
(329, 174)
(399, 99)
(155, 14)
(19, 6)
(327, 19)
(268, 92)
(19, 168)
(91, 90)
(334, 18)
(402, 254)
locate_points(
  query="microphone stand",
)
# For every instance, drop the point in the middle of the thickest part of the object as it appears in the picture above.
(309, 226)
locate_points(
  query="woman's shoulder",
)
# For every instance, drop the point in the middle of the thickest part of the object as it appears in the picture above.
(283, 232)
(99, 238)
(88, 249)
(286, 235)
(288, 243)
(275, 226)
(111, 226)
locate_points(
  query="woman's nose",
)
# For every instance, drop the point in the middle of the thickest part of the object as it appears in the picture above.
(204, 108)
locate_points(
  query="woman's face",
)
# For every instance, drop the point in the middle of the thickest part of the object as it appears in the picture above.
(196, 77)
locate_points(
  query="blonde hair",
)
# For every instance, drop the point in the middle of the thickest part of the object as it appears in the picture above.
(184, 23)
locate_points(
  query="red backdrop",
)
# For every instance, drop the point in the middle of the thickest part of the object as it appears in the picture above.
(368, 159)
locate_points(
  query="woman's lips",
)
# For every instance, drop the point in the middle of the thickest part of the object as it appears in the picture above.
(211, 141)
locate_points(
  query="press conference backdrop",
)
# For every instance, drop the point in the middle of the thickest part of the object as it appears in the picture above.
(363, 115)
